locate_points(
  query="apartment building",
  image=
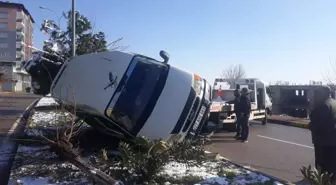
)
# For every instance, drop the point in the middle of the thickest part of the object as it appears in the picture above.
(16, 35)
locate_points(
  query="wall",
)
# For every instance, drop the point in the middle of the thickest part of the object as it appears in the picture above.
(9, 53)
(279, 94)
(7, 69)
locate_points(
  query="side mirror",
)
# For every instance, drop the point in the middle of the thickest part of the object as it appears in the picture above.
(165, 56)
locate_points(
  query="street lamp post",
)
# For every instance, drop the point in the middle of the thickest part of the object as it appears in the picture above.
(73, 12)
(59, 18)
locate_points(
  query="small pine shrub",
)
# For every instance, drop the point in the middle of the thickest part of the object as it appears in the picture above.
(316, 177)
(145, 159)
(190, 152)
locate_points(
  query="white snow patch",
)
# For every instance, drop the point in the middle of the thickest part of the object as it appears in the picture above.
(251, 177)
(49, 118)
(278, 183)
(46, 101)
(39, 181)
(178, 170)
(208, 171)
(216, 180)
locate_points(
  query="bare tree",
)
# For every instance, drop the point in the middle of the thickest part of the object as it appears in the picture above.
(116, 45)
(330, 74)
(232, 73)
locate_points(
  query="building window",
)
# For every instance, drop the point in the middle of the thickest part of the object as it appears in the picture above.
(3, 45)
(3, 25)
(4, 54)
(3, 35)
(3, 15)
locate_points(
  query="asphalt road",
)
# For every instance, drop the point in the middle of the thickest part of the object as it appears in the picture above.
(11, 107)
(273, 149)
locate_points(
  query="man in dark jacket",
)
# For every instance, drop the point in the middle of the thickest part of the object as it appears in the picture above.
(236, 111)
(323, 128)
(245, 110)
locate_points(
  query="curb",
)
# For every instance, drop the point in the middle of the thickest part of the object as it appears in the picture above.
(10, 92)
(6, 166)
(288, 123)
(48, 108)
(218, 156)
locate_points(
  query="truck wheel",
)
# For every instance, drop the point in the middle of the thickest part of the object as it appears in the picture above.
(268, 112)
(264, 121)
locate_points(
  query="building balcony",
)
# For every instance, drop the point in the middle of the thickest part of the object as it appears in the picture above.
(19, 52)
(19, 32)
(19, 15)
(19, 39)
(19, 24)
(19, 44)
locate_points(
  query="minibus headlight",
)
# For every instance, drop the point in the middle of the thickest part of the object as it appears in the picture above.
(197, 84)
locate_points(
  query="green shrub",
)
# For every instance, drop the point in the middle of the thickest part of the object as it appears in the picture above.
(190, 152)
(147, 158)
(316, 177)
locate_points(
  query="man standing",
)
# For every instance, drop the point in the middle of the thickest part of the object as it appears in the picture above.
(323, 128)
(245, 110)
(236, 111)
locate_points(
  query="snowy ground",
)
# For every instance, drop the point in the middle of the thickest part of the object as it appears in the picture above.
(53, 172)
(46, 101)
(217, 172)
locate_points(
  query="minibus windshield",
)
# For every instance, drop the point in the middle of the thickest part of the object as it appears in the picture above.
(137, 93)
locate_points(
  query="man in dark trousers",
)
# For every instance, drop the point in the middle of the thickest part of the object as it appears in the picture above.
(323, 128)
(245, 110)
(236, 110)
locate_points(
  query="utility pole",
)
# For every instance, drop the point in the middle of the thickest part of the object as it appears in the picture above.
(73, 12)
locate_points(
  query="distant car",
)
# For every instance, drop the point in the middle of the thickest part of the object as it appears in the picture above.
(28, 89)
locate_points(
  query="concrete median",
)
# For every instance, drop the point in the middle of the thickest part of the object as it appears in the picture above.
(289, 121)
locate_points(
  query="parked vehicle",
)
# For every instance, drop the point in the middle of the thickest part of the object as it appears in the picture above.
(223, 113)
(28, 89)
(127, 94)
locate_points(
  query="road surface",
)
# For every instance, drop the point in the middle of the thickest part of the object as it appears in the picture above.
(277, 150)
(11, 107)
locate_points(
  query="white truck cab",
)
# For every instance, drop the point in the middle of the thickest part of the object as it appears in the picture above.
(127, 95)
(222, 112)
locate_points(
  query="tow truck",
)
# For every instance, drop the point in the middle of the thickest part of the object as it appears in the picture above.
(221, 112)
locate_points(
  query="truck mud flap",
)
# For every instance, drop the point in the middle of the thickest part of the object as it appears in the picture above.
(230, 127)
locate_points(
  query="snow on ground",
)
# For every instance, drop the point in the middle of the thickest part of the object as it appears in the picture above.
(174, 170)
(230, 174)
(46, 101)
(49, 118)
(219, 172)
(210, 173)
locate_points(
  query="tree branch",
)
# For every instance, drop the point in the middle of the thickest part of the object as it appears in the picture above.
(233, 73)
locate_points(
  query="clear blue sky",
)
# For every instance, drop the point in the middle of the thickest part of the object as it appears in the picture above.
(292, 40)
